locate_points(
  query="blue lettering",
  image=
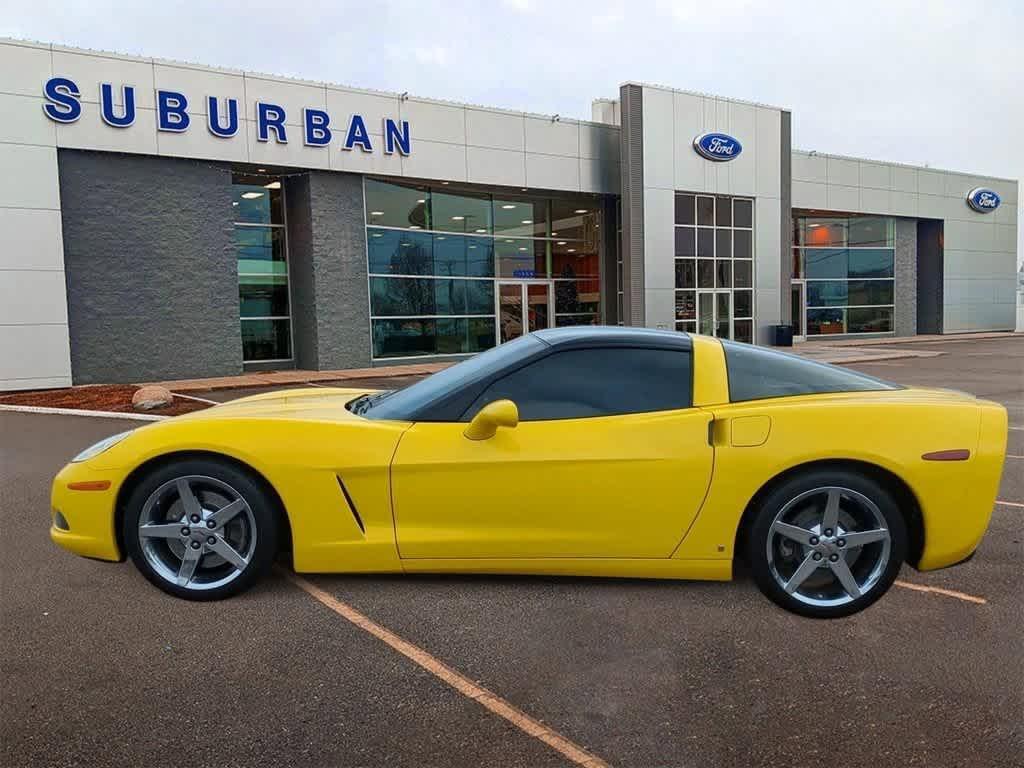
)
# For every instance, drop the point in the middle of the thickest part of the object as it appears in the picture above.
(317, 133)
(62, 100)
(213, 118)
(394, 137)
(270, 116)
(357, 134)
(127, 116)
(170, 111)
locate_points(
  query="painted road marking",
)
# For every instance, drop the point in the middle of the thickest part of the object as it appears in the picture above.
(940, 591)
(1013, 456)
(1010, 503)
(459, 682)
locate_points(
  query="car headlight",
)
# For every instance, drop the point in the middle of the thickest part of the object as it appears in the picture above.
(101, 446)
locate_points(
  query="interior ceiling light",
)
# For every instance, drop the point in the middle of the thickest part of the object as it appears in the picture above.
(377, 234)
(522, 249)
(508, 206)
(376, 213)
(572, 250)
(527, 221)
(421, 201)
(252, 195)
(510, 241)
(581, 210)
(458, 218)
(561, 242)
(481, 230)
(554, 234)
(414, 226)
(272, 185)
(261, 170)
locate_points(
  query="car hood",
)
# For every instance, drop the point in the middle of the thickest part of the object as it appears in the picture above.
(317, 403)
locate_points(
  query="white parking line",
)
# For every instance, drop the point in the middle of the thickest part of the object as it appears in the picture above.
(456, 680)
(1010, 503)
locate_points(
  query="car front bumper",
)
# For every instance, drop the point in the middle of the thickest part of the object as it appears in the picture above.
(82, 511)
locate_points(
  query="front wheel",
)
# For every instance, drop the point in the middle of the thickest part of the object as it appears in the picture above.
(200, 529)
(827, 543)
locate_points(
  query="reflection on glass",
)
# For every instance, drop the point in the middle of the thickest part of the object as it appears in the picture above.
(253, 202)
(706, 273)
(263, 295)
(686, 273)
(409, 296)
(723, 315)
(463, 212)
(260, 250)
(686, 242)
(706, 211)
(742, 244)
(869, 320)
(431, 336)
(397, 205)
(825, 321)
(723, 273)
(685, 209)
(743, 330)
(743, 213)
(577, 296)
(744, 303)
(686, 305)
(797, 309)
(705, 243)
(538, 306)
(706, 314)
(521, 217)
(723, 244)
(266, 340)
(526, 259)
(510, 311)
(743, 274)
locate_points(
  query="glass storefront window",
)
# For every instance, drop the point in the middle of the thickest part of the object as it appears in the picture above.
(848, 263)
(264, 306)
(391, 205)
(418, 234)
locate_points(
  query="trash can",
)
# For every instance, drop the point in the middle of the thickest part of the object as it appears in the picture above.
(782, 335)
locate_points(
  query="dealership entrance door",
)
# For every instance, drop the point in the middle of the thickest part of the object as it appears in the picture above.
(714, 313)
(798, 300)
(524, 307)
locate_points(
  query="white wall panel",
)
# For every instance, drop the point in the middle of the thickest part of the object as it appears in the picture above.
(875, 201)
(35, 168)
(495, 166)
(549, 137)
(599, 176)
(659, 241)
(806, 167)
(768, 155)
(290, 95)
(24, 121)
(551, 172)
(429, 121)
(357, 161)
(342, 104)
(843, 198)
(90, 132)
(843, 172)
(660, 308)
(690, 168)
(904, 179)
(295, 152)
(659, 139)
(931, 182)
(436, 160)
(30, 239)
(198, 142)
(809, 194)
(598, 141)
(198, 84)
(25, 68)
(34, 356)
(32, 297)
(88, 70)
(495, 130)
(875, 175)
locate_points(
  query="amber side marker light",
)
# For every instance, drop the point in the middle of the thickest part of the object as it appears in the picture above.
(960, 454)
(89, 485)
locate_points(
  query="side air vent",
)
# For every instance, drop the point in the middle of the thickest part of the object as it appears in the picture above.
(351, 504)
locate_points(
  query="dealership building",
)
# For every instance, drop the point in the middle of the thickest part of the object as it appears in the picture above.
(164, 220)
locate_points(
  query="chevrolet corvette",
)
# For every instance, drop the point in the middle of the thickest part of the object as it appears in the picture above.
(576, 451)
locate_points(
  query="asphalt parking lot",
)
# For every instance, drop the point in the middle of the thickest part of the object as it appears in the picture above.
(100, 669)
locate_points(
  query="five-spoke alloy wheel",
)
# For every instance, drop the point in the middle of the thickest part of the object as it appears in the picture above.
(200, 529)
(827, 543)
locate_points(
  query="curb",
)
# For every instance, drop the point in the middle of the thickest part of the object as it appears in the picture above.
(80, 412)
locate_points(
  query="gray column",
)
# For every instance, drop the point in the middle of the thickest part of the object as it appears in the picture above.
(905, 322)
(151, 270)
(327, 252)
(632, 168)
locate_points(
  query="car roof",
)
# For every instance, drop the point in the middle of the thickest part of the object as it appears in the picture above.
(612, 335)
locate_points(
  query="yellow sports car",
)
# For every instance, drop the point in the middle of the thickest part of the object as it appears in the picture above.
(586, 451)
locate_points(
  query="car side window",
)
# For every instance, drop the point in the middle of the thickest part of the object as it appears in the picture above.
(756, 373)
(583, 383)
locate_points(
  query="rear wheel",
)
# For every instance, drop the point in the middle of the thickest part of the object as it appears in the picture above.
(827, 543)
(201, 529)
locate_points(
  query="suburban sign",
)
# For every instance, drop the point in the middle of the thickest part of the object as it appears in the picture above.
(983, 200)
(63, 105)
(717, 146)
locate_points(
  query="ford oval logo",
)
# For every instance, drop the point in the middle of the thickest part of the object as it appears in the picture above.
(717, 146)
(983, 200)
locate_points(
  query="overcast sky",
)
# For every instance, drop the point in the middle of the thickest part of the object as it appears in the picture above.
(936, 82)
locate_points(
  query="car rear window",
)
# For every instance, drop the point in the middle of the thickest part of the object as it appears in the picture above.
(756, 373)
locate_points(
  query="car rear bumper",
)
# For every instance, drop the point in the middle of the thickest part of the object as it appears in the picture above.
(83, 521)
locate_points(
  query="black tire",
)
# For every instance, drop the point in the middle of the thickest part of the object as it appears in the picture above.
(802, 495)
(212, 482)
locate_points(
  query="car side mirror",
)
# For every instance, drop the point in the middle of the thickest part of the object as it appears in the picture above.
(500, 413)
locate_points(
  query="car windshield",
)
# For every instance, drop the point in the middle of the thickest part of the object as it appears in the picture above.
(404, 404)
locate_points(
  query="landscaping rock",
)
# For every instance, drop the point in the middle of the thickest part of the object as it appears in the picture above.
(148, 398)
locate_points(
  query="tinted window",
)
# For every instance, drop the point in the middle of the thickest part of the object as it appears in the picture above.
(583, 383)
(406, 403)
(756, 373)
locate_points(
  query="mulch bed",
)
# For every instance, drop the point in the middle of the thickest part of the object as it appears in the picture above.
(99, 397)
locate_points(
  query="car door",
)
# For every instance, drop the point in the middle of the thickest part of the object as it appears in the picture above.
(609, 459)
